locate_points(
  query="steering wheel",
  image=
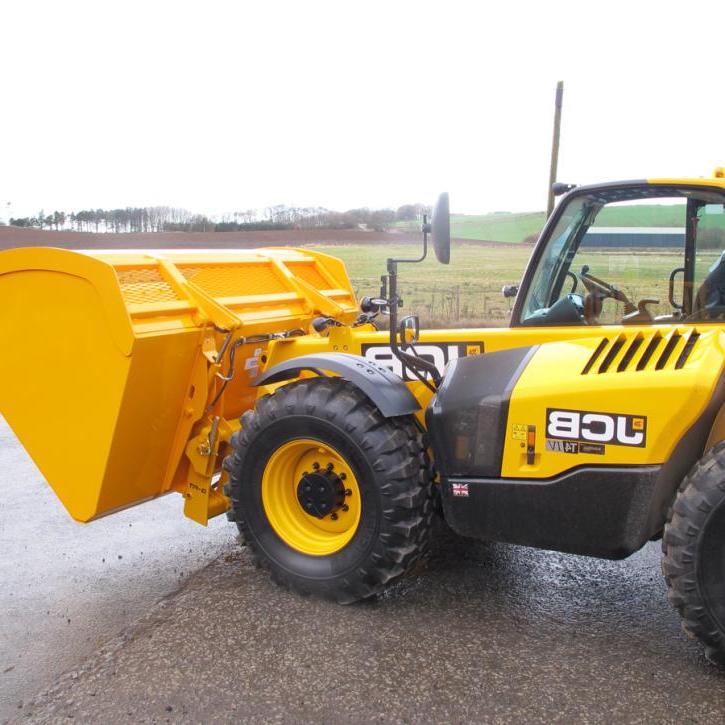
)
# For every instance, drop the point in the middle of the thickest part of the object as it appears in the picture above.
(597, 291)
(594, 285)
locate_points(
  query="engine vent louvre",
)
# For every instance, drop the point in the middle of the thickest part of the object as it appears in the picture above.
(613, 352)
(687, 350)
(628, 348)
(630, 353)
(649, 351)
(667, 352)
(595, 355)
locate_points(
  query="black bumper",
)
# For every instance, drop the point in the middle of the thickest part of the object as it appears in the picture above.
(595, 511)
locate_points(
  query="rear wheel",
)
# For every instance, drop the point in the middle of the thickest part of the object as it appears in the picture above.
(332, 498)
(694, 553)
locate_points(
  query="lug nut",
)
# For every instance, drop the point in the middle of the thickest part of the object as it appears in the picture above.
(316, 466)
(342, 476)
(330, 466)
(345, 507)
(333, 516)
(348, 492)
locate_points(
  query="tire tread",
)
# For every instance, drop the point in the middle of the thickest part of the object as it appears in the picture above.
(394, 446)
(701, 491)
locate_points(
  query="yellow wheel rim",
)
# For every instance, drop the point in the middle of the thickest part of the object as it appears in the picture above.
(299, 529)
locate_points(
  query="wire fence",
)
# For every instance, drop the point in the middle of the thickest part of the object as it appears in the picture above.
(461, 305)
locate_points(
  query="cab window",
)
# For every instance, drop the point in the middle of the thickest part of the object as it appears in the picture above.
(641, 255)
(709, 275)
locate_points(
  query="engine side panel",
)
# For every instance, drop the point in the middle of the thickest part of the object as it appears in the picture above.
(595, 437)
(599, 410)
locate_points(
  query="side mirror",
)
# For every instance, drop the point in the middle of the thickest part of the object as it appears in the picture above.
(510, 290)
(409, 330)
(440, 225)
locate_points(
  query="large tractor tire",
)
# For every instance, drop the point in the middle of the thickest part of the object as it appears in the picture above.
(331, 497)
(694, 553)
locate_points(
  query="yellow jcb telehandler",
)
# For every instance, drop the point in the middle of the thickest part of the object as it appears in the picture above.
(253, 383)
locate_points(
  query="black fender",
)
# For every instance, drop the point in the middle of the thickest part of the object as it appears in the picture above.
(384, 388)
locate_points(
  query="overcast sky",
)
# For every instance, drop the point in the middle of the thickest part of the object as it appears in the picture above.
(222, 106)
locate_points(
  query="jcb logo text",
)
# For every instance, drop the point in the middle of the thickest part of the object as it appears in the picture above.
(581, 425)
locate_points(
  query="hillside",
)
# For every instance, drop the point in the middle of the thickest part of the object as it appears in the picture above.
(517, 227)
(500, 227)
(486, 229)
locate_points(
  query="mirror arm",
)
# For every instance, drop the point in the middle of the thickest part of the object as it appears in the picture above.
(411, 362)
(440, 229)
(426, 231)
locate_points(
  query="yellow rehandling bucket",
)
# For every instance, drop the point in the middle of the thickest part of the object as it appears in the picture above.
(109, 360)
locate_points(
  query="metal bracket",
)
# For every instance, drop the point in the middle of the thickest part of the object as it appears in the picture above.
(204, 497)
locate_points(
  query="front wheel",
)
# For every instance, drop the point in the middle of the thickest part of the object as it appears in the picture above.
(694, 552)
(332, 498)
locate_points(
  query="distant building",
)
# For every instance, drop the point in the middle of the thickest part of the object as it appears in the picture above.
(635, 237)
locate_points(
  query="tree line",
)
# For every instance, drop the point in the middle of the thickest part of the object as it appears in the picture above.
(173, 219)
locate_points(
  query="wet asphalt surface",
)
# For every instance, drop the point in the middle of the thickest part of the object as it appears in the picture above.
(485, 633)
(66, 588)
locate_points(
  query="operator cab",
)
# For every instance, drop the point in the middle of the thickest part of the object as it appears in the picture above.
(628, 253)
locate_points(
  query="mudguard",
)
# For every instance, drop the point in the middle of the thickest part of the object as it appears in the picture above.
(385, 389)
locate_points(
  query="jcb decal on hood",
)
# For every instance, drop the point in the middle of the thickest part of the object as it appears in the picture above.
(590, 427)
(439, 353)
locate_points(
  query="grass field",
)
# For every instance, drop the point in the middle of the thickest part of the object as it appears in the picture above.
(467, 293)
(505, 227)
(498, 227)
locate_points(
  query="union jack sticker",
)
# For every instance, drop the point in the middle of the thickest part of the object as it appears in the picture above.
(459, 489)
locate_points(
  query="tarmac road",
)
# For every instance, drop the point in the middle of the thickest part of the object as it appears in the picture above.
(65, 588)
(486, 633)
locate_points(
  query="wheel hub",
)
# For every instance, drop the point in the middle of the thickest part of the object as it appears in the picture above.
(321, 493)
